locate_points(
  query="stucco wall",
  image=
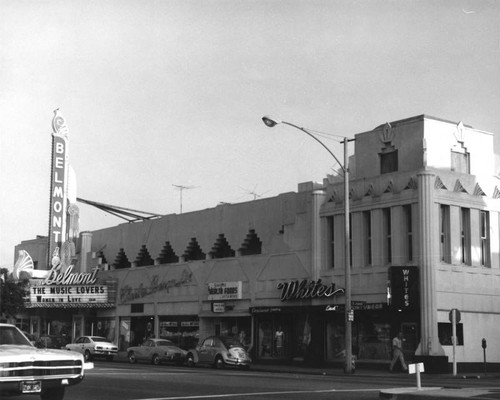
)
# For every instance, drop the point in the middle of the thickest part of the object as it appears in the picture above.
(282, 223)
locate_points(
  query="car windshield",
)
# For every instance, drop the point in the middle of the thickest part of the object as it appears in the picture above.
(231, 342)
(12, 335)
(98, 339)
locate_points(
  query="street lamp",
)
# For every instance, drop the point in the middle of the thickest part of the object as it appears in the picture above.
(272, 122)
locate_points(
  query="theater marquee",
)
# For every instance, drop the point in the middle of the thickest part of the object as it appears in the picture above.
(69, 290)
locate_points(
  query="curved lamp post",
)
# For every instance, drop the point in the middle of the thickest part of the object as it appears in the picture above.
(349, 316)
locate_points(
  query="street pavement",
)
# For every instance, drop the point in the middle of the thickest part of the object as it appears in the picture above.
(491, 389)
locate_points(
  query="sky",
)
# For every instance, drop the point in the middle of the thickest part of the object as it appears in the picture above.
(172, 92)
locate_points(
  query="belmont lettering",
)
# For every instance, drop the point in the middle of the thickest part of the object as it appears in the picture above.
(69, 278)
(305, 289)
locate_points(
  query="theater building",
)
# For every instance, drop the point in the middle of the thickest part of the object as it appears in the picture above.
(424, 240)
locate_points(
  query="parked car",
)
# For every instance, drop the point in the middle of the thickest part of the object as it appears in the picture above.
(24, 369)
(94, 346)
(52, 342)
(219, 351)
(157, 351)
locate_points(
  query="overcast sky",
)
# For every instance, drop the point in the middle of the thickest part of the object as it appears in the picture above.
(171, 92)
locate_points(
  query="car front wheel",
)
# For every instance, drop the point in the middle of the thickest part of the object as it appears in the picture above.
(156, 359)
(53, 394)
(131, 357)
(87, 355)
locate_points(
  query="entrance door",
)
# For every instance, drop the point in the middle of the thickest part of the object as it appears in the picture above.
(410, 342)
(142, 328)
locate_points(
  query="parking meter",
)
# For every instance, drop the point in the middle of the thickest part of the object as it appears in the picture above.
(483, 343)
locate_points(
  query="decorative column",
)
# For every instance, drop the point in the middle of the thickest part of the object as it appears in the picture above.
(318, 197)
(429, 259)
(86, 246)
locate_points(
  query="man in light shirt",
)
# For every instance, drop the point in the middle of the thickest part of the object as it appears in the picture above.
(397, 352)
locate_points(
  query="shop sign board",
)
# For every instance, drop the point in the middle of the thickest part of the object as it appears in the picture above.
(218, 307)
(69, 294)
(404, 287)
(305, 289)
(225, 290)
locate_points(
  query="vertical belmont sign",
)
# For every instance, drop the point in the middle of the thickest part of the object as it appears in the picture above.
(57, 214)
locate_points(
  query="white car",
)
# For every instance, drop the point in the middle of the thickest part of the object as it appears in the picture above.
(24, 369)
(93, 346)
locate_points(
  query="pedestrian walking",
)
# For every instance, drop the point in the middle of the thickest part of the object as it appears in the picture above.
(397, 352)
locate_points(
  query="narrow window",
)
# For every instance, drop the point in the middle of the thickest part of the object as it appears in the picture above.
(465, 242)
(485, 238)
(367, 227)
(330, 241)
(444, 226)
(388, 234)
(409, 231)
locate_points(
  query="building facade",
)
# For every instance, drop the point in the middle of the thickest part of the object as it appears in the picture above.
(424, 240)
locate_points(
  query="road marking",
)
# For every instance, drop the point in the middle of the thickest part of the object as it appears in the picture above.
(217, 396)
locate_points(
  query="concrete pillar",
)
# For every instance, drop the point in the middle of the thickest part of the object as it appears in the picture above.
(318, 198)
(429, 259)
(85, 251)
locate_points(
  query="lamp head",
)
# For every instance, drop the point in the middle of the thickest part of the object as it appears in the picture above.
(269, 121)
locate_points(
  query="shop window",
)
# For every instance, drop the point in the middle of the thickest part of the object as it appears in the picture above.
(221, 248)
(485, 238)
(143, 258)
(193, 251)
(124, 337)
(251, 244)
(465, 239)
(167, 255)
(445, 331)
(121, 260)
(444, 226)
(105, 327)
(184, 331)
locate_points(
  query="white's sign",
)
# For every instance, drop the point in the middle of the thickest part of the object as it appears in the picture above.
(225, 290)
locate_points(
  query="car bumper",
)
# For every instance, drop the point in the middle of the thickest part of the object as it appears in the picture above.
(105, 352)
(14, 387)
(237, 362)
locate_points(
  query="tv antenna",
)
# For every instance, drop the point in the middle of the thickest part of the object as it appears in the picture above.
(181, 188)
(253, 192)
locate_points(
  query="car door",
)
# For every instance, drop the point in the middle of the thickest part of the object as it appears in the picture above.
(205, 351)
(87, 344)
(144, 350)
(79, 345)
